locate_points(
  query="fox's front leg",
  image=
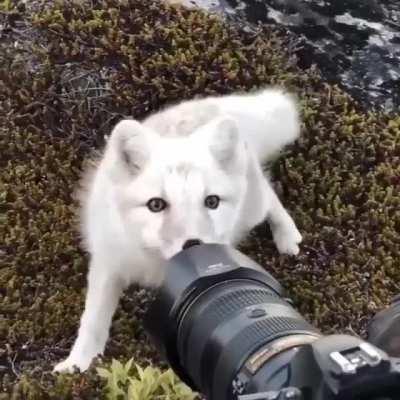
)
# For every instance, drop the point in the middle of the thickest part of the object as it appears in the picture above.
(284, 231)
(104, 291)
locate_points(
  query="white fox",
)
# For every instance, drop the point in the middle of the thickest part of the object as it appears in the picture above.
(188, 174)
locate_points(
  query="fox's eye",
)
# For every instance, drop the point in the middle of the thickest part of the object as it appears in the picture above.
(212, 201)
(156, 204)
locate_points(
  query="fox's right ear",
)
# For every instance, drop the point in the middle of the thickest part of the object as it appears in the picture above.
(128, 144)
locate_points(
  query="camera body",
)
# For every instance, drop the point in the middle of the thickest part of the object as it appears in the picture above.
(225, 326)
(333, 367)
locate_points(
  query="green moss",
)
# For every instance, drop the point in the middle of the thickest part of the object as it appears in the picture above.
(74, 72)
(126, 382)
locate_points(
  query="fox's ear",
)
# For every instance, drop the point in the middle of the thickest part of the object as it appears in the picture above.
(224, 140)
(129, 145)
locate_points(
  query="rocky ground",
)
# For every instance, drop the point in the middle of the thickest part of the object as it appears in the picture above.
(354, 43)
(69, 71)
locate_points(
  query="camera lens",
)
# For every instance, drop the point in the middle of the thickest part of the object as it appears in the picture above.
(213, 311)
(223, 326)
(227, 329)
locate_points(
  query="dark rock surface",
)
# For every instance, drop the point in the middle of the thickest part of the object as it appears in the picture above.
(354, 43)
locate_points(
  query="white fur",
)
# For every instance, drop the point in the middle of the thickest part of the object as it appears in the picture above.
(211, 146)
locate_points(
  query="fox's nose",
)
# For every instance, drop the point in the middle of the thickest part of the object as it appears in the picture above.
(190, 243)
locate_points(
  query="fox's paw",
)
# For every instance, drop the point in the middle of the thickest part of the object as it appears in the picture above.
(73, 364)
(287, 240)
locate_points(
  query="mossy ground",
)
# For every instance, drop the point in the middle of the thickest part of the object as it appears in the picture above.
(69, 71)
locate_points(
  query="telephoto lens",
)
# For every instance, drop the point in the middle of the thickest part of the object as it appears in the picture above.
(218, 311)
(225, 327)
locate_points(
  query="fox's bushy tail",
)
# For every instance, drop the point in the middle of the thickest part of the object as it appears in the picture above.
(279, 124)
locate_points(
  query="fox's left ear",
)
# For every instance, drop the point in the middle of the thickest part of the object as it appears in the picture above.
(224, 140)
(129, 145)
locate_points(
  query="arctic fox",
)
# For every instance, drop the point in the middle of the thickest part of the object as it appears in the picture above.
(188, 174)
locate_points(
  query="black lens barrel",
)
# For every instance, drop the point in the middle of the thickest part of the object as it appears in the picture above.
(188, 274)
(225, 325)
(214, 309)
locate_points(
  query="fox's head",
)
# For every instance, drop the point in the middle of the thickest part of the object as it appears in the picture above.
(174, 191)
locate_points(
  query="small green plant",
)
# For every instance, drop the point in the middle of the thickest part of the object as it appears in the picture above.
(127, 383)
